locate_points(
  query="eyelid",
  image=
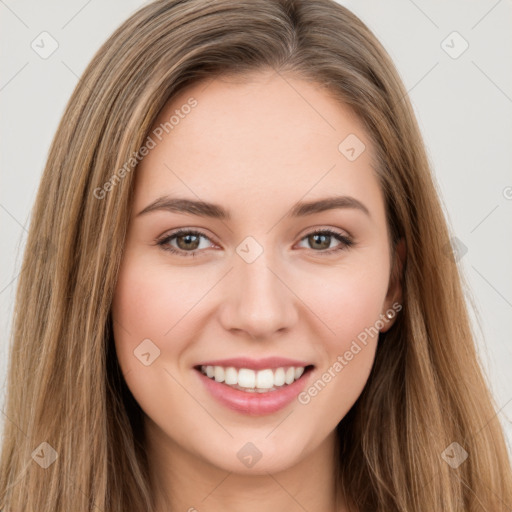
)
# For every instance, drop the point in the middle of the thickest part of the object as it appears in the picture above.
(324, 227)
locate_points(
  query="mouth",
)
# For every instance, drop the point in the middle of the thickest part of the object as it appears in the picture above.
(254, 381)
(254, 392)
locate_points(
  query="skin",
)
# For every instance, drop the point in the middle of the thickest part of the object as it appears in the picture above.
(255, 146)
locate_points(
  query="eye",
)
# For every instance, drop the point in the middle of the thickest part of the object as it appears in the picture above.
(322, 240)
(189, 242)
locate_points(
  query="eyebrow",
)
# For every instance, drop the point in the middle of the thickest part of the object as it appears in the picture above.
(205, 209)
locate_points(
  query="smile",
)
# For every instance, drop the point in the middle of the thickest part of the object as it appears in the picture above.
(246, 379)
(254, 392)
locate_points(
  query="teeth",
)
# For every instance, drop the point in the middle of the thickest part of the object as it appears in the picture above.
(279, 377)
(231, 376)
(251, 380)
(265, 379)
(246, 378)
(218, 373)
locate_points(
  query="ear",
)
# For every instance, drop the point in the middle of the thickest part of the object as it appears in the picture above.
(394, 295)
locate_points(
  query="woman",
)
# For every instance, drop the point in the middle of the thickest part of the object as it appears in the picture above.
(314, 353)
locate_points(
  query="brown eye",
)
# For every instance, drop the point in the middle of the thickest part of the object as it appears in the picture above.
(187, 242)
(320, 241)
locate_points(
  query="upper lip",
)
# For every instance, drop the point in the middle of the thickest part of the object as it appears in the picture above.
(256, 364)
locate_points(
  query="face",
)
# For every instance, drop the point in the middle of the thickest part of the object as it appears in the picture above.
(267, 286)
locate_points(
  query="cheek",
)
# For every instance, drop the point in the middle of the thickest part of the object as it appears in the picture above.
(348, 300)
(150, 316)
(148, 306)
(349, 305)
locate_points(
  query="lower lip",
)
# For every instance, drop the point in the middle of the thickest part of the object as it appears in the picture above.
(255, 404)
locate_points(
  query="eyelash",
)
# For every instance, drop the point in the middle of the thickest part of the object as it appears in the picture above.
(346, 242)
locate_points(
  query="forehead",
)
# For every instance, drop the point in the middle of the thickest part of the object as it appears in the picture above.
(264, 139)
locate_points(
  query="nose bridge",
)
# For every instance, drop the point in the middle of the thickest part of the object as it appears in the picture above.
(258, 301)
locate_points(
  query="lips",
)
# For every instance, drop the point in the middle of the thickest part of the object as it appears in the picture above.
(264, 392)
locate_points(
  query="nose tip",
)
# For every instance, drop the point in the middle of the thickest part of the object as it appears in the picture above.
(257, 301)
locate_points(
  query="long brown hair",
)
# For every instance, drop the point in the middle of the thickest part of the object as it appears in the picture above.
(65, 388)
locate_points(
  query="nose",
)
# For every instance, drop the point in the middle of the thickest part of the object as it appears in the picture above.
(257, 299)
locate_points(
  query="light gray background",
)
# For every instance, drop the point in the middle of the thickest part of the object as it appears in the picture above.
(463, 105)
